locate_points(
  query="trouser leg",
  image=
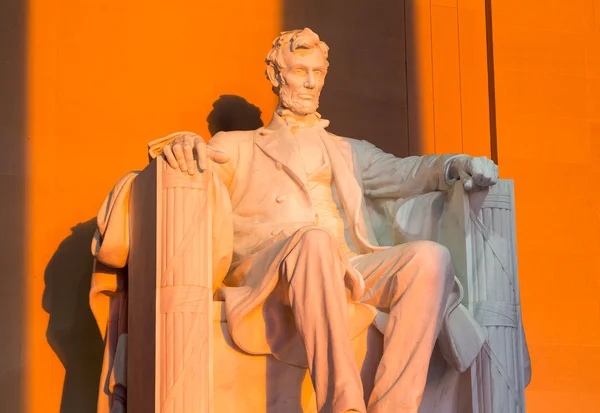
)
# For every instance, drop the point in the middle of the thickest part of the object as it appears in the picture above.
(314, 275)
(412, 281)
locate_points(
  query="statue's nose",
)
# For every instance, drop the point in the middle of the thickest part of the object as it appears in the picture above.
(310, 81)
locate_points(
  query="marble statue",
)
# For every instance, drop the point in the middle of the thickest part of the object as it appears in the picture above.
(296, 245)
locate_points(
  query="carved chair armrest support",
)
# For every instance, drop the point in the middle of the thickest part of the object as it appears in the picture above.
(170, 291)
(479, 230)
(466, 224)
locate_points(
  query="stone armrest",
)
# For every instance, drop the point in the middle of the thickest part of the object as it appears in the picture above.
(479, 230)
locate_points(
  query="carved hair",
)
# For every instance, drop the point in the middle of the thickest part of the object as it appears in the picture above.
(297, 39)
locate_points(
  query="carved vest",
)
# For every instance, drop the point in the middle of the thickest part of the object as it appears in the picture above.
(327, 214)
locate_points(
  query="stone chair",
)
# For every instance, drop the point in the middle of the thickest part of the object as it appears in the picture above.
(182, 359)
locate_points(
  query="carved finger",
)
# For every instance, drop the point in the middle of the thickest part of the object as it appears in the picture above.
(217, 156)
(479, 166)
(466, 179)
(482, 180)
(188, 153)
(490, 172)
(190, 139)
(201, 151)
(178, 152)
(168, 153)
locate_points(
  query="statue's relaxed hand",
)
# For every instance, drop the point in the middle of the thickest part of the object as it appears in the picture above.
(476, 173)
(183, 152)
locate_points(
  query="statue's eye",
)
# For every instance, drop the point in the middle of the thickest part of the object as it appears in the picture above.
(301, 72)
(318, 73)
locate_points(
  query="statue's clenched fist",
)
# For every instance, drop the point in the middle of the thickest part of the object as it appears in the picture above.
(476, 173)
(183, 152)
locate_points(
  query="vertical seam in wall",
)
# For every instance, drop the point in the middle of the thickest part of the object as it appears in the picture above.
(462, 138)
(432, 76)
(491, 80)
(593, 16)
(406, 85)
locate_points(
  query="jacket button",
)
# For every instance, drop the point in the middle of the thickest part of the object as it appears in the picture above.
(279, 166)
(280, 199)
(275, 232)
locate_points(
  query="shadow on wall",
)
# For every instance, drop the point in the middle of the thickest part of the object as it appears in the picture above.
(366, 90)
(231, 113)
(72, 331)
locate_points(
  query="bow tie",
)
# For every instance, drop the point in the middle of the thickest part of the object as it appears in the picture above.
(314, 120)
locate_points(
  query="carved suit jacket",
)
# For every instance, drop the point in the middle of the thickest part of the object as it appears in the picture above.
(267, 183)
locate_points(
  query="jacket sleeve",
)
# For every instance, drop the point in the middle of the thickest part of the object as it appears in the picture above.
(387, 176)
(110, 244)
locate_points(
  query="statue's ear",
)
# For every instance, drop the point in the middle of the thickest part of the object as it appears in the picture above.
(273, 76)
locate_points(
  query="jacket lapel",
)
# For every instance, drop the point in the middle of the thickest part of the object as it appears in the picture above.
(278, 143)
(348, 189)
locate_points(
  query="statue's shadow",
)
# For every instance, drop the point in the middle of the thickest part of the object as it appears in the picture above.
(72, 331)
(231, 113)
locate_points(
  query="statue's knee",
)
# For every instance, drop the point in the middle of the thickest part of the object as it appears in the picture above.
(435, 257)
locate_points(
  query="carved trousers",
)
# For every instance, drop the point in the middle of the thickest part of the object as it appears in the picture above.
(410, 281)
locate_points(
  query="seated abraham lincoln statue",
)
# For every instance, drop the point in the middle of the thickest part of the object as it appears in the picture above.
(303, 245)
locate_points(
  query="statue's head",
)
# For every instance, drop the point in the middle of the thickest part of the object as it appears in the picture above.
(296, 67)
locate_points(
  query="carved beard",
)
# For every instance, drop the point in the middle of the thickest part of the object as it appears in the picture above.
(298, 106)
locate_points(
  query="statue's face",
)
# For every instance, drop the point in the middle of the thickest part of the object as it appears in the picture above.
(302, 80)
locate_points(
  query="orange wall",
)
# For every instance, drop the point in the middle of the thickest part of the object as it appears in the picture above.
(448, 99)
(106, 77)
(547, 64)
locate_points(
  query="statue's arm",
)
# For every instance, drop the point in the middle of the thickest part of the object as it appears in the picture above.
(387, 176)
(110, 244)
